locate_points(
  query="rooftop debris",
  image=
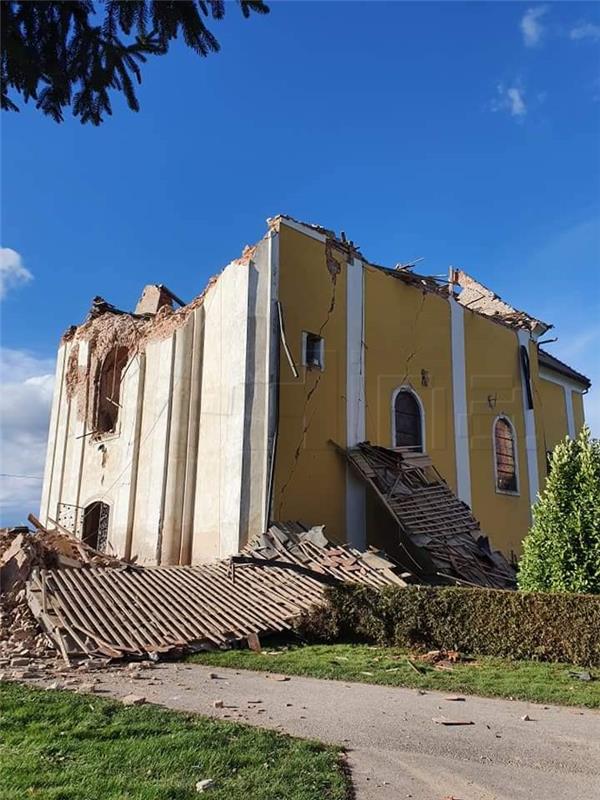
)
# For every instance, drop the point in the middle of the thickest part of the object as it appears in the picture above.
(438, 532)
(135, 612)
(477, 297)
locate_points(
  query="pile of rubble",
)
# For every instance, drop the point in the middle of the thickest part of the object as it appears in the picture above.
(24, 647)
(61, 598)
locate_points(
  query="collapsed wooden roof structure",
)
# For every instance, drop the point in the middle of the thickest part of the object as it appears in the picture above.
(439, 536)
(132, 611)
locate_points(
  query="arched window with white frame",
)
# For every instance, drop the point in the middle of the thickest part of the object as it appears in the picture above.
(408, 420)
(505, 456)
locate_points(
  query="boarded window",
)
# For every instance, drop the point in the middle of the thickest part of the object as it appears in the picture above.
(408, 428)
(506, 461)
(109, 390)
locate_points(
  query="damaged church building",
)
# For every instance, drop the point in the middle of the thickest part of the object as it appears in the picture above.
(303, 384)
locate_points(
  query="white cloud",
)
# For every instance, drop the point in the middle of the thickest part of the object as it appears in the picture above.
(12, 270)
(26, 383)
(510, 99)
(585, 30)
(531, 26)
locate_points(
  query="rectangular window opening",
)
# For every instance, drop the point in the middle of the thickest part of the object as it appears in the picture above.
(313, 351)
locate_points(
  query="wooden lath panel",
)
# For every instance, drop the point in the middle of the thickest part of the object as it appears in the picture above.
(140, 611)
(431, 516)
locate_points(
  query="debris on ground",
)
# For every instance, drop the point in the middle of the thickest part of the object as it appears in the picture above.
(446, 721)
(133, 700)
(440, 659)
(204, 785)
(128, 611)
(584, 675)
(23, 641)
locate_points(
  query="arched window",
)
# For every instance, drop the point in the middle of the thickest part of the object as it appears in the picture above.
(407, 420)
(505, 456)
(95, 525)
(109, 390)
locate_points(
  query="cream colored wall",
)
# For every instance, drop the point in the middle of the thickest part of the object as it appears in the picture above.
(191, 443)
(493, 389)
(310, 478)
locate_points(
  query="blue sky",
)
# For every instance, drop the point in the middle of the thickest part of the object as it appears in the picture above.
(467, 134)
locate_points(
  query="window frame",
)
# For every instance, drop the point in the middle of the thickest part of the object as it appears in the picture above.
(510, 492)
(411, 391)
(321, 365)
(116, 430)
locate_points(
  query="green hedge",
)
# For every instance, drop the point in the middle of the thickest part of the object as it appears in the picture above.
(520, 625)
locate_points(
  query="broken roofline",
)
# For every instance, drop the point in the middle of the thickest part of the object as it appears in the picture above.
(485, 302)
(500, 311)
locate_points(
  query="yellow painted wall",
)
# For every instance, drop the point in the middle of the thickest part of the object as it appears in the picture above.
(554, 413)
(407, 335)
(309, 481)
(407, 331)
(578, 412)
(493, 389)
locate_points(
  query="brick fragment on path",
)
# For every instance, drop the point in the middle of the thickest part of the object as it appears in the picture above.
(133, 700)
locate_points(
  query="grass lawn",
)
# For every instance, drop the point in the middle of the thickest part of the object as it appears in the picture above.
(521, 680)
(63, 746)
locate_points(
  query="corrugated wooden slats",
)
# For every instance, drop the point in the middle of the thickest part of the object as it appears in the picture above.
(142, 611)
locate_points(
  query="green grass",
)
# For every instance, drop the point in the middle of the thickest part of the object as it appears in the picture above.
(62, 746)
(492, 677)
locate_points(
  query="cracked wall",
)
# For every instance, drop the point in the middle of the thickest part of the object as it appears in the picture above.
(309, 475)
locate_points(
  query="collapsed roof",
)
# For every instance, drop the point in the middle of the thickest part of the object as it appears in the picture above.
(469, 292)
(440, 538)
(142, 612)
(474, 295)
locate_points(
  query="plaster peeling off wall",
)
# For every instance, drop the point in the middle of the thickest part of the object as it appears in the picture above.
(183, 470)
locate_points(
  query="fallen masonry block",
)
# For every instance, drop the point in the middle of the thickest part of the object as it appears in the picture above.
(15, 564)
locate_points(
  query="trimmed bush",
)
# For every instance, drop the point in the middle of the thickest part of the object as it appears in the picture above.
(562, 551)
(519, 625)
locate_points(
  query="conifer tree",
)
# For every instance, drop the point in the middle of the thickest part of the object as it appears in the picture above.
(67, 53)
(562, 551)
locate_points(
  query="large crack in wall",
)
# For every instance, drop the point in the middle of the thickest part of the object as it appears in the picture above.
(334, 268)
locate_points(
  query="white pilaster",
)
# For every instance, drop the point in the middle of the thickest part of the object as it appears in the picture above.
(271, 373)
(459, 396)
(530, 435)
(356, 523)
